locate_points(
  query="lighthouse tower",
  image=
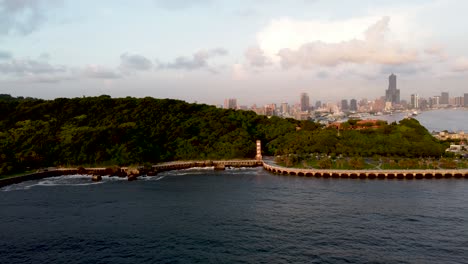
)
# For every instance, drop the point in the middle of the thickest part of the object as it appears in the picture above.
(259, 150)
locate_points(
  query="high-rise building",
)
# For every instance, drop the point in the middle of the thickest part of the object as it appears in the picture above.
(423, 104)
(435, 101)
(458, 101)
(344, 105)
(392, 94)
(305, 102)
(230, 103)
(353, 105)
(284, 108)
(414, 101)
(444, 98)
(318, 104)
(465, 99)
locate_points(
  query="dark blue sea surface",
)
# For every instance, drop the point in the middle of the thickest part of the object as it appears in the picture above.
(453, 120)
(234, 216)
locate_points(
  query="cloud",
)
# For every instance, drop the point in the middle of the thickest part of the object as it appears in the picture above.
(23, 16)
(434, 50)
(256, 57)
(460, 65)
(100, 72)
(405, 69)
(22, 67)
(199, 60)
(134, 62)
(181, 4)
(5, 55)
(374, 48)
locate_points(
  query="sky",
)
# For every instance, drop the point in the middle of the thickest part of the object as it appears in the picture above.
(258, 51)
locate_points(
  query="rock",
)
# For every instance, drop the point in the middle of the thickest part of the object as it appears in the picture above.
(133, 171)
(96, 178)
(132, 177)
(219, 167)
(121, 173)
(81, 170)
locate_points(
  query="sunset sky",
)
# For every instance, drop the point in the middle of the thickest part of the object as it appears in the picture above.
(259, 51)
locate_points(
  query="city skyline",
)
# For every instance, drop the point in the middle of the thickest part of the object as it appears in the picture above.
(256, 51)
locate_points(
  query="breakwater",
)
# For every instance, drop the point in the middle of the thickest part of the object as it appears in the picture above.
(134, 173)
(217, 164)
(368, 174)
(36, 176)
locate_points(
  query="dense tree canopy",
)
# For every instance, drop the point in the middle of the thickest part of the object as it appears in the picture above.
(104, 130)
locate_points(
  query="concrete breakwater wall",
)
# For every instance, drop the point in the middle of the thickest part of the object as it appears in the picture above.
(368, 174)
(217, 164)
(134, 173)
(36, 176)
(94, 173)
(129, 172)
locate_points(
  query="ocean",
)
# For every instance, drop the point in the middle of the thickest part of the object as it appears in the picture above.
(233, 216)
(452, 120)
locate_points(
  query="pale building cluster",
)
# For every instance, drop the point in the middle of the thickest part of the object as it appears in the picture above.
(352, 108)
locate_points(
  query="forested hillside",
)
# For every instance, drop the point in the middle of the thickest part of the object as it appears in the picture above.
(97, 130)
(103, 130)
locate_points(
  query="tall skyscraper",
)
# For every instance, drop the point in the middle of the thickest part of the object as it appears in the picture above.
(414, 101)
(344, 105)
(305, 102)
(353, 105)
(318, 104)
(230, 103)
(284, 108)
(465, 99)
(444, 98)
(435, 101)
(392, 94)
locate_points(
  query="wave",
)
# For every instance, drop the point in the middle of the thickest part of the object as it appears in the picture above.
(152, 178)
(199, 168)
(64, 180)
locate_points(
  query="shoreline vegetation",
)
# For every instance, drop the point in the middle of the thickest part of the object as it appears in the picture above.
(36, 133)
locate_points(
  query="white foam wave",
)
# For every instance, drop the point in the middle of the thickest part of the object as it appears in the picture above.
(199, 168)
(64, 180)
(152, 178)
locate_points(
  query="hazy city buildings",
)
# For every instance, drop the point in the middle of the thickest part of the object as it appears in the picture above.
(337, 110)
(230, 103)
(284, 109)
(318, 104)
(344, 105)
(392, 94)
(414, 101)
(444, 98)
(305, 102)
(353, 105)
(435, 101)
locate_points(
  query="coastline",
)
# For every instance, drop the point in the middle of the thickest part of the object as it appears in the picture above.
(134, 173)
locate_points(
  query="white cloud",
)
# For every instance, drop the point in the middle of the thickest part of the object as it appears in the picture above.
(257, 57)
(23, 16)
(199, 60)
(373, 48)
(135, 62)
(460, 65)
(100, 72)
(22, 67)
